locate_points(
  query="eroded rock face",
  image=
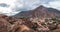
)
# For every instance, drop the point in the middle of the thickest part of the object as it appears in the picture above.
(58, 26)
(10, 24)
(4, 25)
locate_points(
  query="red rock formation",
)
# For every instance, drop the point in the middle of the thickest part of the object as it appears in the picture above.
(58, 26)
(10, 24)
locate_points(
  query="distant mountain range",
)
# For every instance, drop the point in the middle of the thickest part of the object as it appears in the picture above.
(40, 12)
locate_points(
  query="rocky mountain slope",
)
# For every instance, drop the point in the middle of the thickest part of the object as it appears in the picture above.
(41, 19)
(41, 12)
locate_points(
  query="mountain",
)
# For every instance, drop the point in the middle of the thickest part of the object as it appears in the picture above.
(11, 24)
(40, 12)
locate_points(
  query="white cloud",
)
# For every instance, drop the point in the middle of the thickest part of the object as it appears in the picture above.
(53, 4)
(16, 5)
(8, 10)
(31, 4)
(28, 4)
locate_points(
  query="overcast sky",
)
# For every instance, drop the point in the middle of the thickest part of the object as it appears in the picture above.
(12, 7)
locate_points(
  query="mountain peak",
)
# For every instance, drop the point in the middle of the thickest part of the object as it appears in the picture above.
(41, 11)
(40, 7)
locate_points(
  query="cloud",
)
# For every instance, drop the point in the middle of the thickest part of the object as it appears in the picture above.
(7, 10)
(32, 4)
(27, 4)
(53, 4)
(13, 7)
(3, 5)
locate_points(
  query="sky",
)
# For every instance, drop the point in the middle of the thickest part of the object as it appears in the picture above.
(13, 7)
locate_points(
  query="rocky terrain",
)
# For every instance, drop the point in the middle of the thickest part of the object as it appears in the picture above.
(11, 24)
(41, 19)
